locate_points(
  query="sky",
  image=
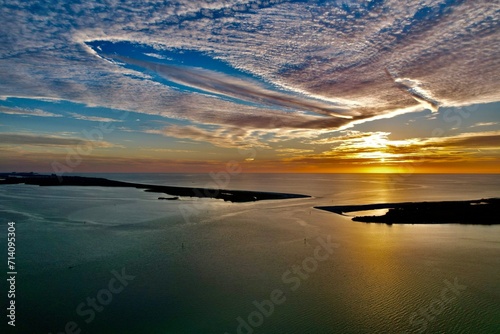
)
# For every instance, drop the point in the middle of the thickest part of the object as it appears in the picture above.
(379, 86)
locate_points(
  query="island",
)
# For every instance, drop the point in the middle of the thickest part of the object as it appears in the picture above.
(474, 212)
(224, 194)
(169, 198)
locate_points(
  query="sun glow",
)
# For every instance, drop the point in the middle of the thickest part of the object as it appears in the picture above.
(381, 169)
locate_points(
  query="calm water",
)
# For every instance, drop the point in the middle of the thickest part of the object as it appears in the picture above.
(202, 265)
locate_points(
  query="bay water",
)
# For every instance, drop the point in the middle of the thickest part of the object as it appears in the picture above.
(118, 260)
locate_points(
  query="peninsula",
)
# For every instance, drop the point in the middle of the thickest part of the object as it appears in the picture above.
(475, 212)
(224, 194)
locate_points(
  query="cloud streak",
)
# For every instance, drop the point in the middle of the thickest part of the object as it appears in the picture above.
(221, 137)
(27, 112)
(221, 84)
(376, 148)
(94, 118)
(17, 139)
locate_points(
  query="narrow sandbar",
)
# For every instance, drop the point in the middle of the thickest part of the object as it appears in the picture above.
(224, 194)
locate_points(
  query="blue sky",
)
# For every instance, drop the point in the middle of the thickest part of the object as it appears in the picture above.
(297, 86)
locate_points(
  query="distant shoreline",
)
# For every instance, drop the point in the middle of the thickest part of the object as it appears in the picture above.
(474, 212)
(224, 194)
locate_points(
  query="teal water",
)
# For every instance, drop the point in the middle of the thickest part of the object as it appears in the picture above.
(202, 265)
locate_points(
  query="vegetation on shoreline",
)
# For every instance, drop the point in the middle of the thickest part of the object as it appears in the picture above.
(475, 212)
(224, 194)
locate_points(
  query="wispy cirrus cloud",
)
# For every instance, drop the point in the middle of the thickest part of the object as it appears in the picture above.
(438, 54)
(18, 159)
(93, 118)
(229, 137)
(246, 90)
(166, 150)
(349, 136)
(27, 112)
(48, 140)
(483, 124)
(377, 148)
(292, 151)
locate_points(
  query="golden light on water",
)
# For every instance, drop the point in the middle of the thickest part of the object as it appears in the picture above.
(380, 170)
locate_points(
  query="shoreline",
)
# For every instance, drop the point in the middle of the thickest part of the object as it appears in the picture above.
(236, 196)
(473, 212)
